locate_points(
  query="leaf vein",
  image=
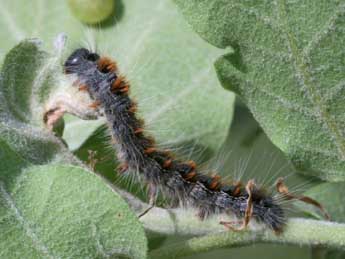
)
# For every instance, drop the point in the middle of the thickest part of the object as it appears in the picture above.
(196, 81)
(328, 28)
(100, 248)
(333, 91)
(288, 104)
(259, 17)
(302, 68)
(38, 244)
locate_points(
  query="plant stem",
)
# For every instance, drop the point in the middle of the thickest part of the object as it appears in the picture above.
(297, 232)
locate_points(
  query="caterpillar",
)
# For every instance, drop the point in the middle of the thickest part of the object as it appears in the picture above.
(160, 169)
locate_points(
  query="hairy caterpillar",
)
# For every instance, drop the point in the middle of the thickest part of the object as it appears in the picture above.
(179, 180)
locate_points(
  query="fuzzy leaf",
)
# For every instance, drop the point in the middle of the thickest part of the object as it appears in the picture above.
(288, 67)
(20, 77)
(23, 82)
(49, 210)
(59, 211)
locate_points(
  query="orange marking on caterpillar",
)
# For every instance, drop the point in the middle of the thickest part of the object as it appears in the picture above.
(118, 82)
(139, 130)
(122, 168)
(111, 67)
(125, 89)
(190, 175)
(83, 87)
(105, 64)
(150, 150)
(215, 182)
(237, 190)
(95, 104)
(167, 163)
(192, 164)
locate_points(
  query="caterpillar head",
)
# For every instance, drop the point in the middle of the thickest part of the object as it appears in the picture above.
(77, 61)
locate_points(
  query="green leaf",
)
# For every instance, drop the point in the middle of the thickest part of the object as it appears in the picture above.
(50, 210)
(31, 85)
(59, 211)
(334, 254)
(26, 75)
(22, 65)
(288, 66)
(168, 65)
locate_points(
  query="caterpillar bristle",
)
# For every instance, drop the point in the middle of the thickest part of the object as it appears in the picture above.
(124, 89)
(167, 163)
(150, 150)
(116, 84)
(192, 164)
(215, 184)
(190, 176)
(133, 108)
(237, 189)
(181, 181)
(106, 65)
(122, 168)
(139, 131)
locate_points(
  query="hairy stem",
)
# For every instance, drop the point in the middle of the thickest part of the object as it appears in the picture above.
(297, 232)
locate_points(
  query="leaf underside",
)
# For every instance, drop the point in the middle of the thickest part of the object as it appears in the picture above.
(288, 67)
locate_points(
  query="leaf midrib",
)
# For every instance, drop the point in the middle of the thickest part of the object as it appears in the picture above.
(303, 69)
(37, 243)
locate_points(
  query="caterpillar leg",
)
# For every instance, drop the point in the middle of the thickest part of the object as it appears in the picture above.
(248, 213)
(92, 160)
(152, 199)
(51, 117)
(283, 189)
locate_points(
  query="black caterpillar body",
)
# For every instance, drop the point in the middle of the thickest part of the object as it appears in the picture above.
(180, 181)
